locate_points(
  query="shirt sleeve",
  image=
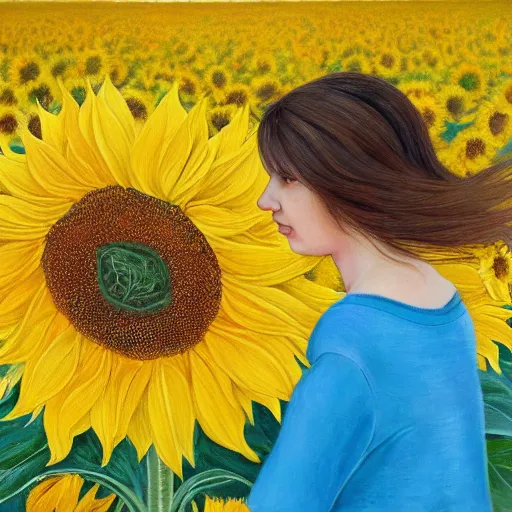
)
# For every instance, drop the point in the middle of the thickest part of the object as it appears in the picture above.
(326, 429)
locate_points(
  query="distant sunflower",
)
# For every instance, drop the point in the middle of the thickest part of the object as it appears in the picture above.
(140, 282)
(220, 116)
(10, 121)
(494, 120)
(431, 112)
(416, 89)
(9, 95)
(387, 62)
(43, 89)
(62, 493)
(264, 89)
(358, 63)
(24, 69)
(496, 270)
(470, 77)
(455, 101)
(506, 91)
(472, 151)
(236, 94)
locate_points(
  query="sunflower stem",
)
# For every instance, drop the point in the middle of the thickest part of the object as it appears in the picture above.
(160, 483)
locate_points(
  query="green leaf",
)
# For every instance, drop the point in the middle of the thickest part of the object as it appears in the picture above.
(499, 454)
(497, 396)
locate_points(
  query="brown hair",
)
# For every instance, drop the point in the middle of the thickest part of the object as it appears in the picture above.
(364, 149)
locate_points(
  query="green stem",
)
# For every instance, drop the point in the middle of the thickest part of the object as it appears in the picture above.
(160, 483)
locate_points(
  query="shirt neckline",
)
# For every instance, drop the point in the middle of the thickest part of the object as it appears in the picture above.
(452, 310)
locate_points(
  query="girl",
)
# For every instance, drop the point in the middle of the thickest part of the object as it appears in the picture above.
(389, 417)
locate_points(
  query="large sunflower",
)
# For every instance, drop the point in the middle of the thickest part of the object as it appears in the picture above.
(141, 286)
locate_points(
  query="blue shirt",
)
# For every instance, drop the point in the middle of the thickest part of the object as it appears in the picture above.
(389, 417)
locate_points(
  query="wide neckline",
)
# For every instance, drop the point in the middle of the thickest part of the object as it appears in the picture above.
(432, 316)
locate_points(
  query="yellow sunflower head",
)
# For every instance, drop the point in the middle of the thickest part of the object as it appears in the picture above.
(140, 285)
(62, 493)
(220, 505)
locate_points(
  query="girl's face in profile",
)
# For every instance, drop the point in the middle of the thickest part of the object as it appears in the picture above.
(313, 231)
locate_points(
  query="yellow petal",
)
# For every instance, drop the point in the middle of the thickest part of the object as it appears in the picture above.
(89, 504)
(162, 421)
(314, 296)
(105, 414)
(221, 222)
(52, 171)
(115, 102)
(184, 153)
(152, 140)
(257, 264)
(81, 157)
(64, 411)
(112, 141)
(15, 179)
(86, 122)
(52, 129)
(56, 493)
(234, 182)
(219, 419)
(266, 310)
(240, 354)
(245, 402)
(137, 387)
(19, 259)
(20, 220)
(139, 430)
(46, 375)
(176, 371)
(30, 334)
(16, 296)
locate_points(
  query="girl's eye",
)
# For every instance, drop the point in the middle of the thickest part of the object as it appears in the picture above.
(288, 180)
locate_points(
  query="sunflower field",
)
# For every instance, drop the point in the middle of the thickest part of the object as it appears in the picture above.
(153, 321)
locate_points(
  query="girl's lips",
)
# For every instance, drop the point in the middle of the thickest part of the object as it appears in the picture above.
(285, 230)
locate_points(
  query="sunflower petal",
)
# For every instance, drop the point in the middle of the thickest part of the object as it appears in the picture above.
(258, 264)
(133, 380)
(148, 148)
(162, 421)
(106, 411)
(15, 179)
(112, 141)
(52, 171)
(240, 355)
(15, 297)
(221, 222)
(222, 422)
(52, 129)
(19, 259)
(93, 156)
(234, 182)
(89, 504)
(81, 157)
(30, 333)
(62, 412)
(46, 375)
(139, 430)
(20, 220)
(183, 154)
(117, 105)
(180, 402)
(281, 314)
(58, 493)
